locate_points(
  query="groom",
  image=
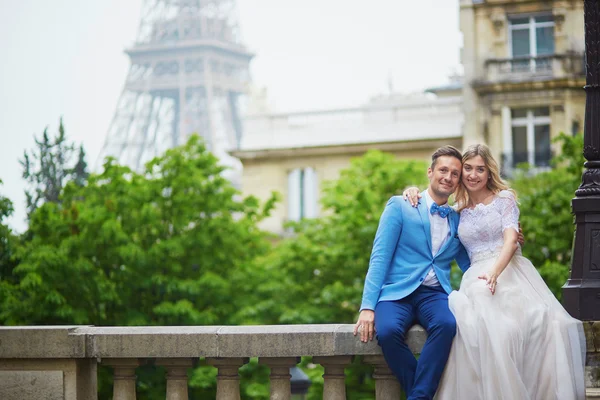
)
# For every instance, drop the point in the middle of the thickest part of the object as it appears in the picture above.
(408, 280)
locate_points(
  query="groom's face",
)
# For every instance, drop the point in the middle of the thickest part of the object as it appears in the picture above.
(445, 175)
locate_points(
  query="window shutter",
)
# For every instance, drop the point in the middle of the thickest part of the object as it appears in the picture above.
(310, 193)
(293, 195)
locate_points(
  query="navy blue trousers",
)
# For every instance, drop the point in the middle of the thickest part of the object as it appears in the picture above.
(427, 306)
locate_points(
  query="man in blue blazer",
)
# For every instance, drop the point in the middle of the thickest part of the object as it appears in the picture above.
(408, 280)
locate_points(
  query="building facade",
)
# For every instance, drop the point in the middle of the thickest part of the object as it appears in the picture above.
(294, 153)
(523, 76)
(522, 86)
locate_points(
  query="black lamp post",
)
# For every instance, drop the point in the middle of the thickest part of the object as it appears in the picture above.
(581, 293)
(299, 382)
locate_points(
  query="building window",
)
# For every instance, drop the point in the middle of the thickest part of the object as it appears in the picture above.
(531, 41)
(575, 128)
(302, 194)
(530, 137)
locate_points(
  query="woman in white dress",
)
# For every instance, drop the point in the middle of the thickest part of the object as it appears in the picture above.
(514, 340)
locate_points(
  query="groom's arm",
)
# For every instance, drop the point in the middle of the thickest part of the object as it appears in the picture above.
(384, 246)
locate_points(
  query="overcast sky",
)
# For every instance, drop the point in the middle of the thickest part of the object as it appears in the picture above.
(65, 58)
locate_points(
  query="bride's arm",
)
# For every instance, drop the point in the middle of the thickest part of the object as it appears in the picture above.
(507, 252)
(510, 228)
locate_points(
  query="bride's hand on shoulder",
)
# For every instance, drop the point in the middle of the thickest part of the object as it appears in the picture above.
(412, 194)
(491, 280)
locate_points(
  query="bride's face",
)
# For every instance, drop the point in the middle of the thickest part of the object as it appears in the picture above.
(475, 174)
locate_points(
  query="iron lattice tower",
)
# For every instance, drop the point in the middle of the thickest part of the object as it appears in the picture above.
(188, 73)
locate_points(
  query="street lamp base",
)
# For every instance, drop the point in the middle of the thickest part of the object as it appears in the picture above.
(581, 298)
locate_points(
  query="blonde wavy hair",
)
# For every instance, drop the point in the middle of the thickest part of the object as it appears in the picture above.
(495, 183)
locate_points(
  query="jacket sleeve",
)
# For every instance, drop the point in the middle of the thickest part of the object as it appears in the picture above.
(462, 258)
(384, 246)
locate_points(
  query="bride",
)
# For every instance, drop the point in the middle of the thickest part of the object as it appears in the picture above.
(514, 339)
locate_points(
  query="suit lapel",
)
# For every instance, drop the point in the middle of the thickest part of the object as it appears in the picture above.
(424, 213)
(452, 225)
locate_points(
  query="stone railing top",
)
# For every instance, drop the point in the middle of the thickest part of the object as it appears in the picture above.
(203, 341)
(189, 341)
(42, 342)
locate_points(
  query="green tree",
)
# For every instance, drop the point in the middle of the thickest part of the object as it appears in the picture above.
(50, 166)
(7, 243)
(545, 204)
(169, 246)
(317, 274)
(162, 247)
(80, 170)
(8, 261)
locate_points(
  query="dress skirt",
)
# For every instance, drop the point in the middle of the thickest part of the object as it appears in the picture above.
(518, 344)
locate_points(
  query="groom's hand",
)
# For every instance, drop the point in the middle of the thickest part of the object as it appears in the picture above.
(365, 325)
(520, 237)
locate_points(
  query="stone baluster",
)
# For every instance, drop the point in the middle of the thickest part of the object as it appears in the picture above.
(280, 376)
(177, 380)
(592, 394)
(387, 386)
(334, 385)
(123, 377)
(592, 365)
(228, 378)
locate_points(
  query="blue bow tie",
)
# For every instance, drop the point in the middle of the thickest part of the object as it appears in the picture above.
(442, 210)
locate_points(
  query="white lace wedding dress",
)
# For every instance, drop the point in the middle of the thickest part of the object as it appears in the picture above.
(518, 344)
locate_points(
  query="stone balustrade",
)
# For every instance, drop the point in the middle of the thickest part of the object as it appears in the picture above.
(60, 362)
(526, 69)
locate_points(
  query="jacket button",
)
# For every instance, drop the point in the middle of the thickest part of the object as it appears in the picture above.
(421, 279)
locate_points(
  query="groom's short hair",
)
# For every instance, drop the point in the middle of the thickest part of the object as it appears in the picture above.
(448, 150)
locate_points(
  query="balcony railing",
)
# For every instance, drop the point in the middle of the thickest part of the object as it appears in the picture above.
(61, 362)
(520, 69)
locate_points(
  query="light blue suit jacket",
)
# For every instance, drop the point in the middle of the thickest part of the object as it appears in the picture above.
(401, 255)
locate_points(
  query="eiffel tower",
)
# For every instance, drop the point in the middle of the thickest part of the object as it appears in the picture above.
(188, 74)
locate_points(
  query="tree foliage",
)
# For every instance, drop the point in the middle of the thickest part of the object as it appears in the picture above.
(168, 246)
(8, 243)
(164, 247)
(316, 275)
(545, 204)
(49, 166)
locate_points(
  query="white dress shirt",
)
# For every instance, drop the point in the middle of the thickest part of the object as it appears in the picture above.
(440, 231)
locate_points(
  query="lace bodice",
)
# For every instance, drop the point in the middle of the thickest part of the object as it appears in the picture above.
(481, 228)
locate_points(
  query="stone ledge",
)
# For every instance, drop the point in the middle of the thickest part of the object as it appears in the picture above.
(44, 342)
(276, 340)
(347, 343)
(189, 341)
(150, 341)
